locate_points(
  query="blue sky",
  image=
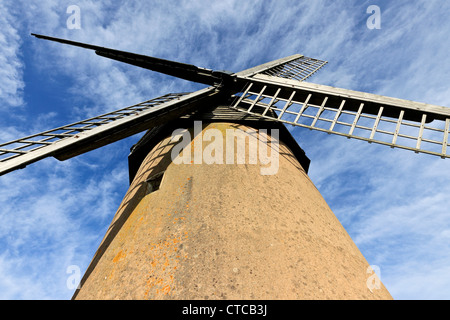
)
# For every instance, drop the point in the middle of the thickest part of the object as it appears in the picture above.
(393, 203)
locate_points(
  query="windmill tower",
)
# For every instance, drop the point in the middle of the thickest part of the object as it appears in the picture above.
(223, 229)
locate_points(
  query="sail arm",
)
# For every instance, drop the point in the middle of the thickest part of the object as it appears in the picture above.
(296, 67)
(77, 138)
(384, 120)
(173, 68)
(413, 109)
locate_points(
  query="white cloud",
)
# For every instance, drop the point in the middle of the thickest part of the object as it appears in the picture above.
(11, 66)
(47, 223)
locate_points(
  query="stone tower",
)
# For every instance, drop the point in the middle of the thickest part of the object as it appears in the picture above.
(198, 230)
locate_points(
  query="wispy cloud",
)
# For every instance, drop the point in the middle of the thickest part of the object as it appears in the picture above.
(11, 65)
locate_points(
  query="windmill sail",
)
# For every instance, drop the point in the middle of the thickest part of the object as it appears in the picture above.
(275, 91)
(79, 137)
(394, 122)
(297, 67)
(172, 68)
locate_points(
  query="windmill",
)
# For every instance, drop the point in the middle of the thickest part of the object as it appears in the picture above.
(225, 231)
